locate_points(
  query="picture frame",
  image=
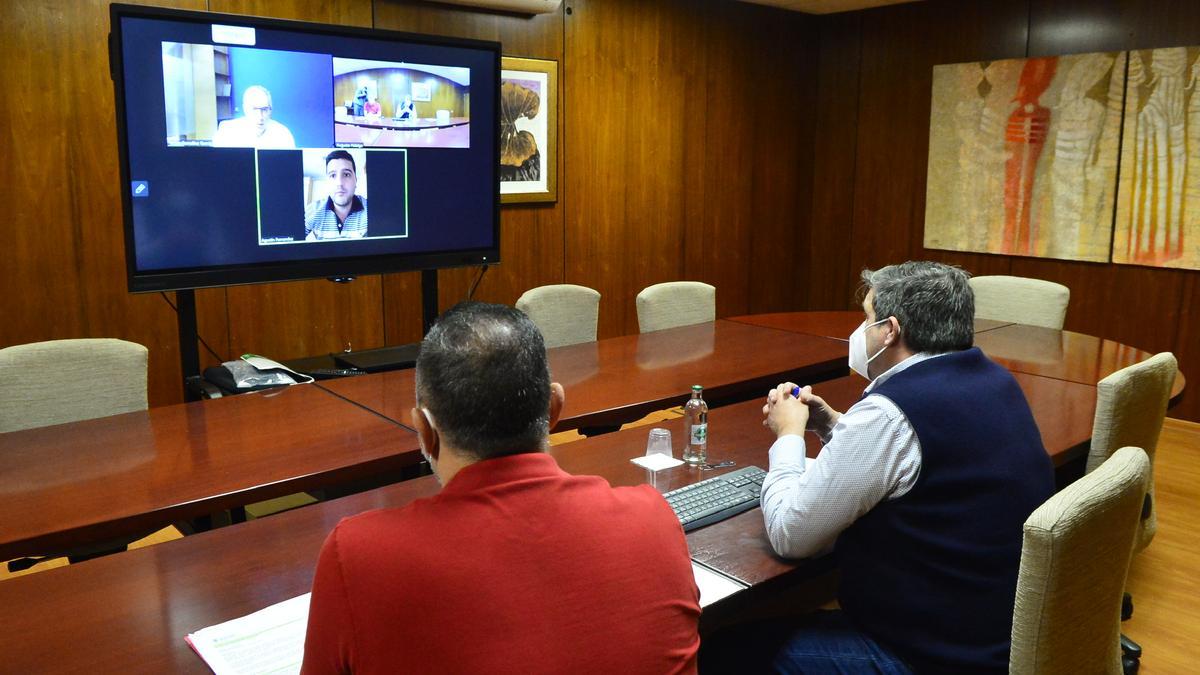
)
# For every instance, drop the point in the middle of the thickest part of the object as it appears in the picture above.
(529, 140)
(421, 91)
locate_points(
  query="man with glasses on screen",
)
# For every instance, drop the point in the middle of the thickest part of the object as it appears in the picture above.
(344, 214)
(255, 128)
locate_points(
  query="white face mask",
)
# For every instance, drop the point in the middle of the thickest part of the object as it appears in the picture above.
(858, 349)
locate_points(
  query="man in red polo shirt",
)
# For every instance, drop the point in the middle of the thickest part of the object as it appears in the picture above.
(516, 566)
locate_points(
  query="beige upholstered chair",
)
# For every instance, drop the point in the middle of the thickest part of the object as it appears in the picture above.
(1020, 299)
(1130, 407)
(675, 303)
(565, 313)
(1074, 559)
(63, 381)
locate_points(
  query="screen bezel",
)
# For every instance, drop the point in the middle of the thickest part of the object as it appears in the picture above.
(143, 281)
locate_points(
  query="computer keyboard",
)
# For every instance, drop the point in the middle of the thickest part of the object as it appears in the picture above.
(716, 499)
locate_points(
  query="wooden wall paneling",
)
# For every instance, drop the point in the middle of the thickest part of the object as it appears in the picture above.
(1187, 348)
(402, 309)
(343, 12)
(1166, 23)
(593, 135)
(305, 318)
(986, 30)
(212, 324)
(533, 36)
(781, 139)
(830, 280)
(1076, 26)
(531, 255)
(900, 47)
(631, 90)
(531, 235)
(722, 107)
(65, 275)
(702, 220)
(42, 284)
(893, 119)
(744, 153)
(978, 264)
(1129, 304)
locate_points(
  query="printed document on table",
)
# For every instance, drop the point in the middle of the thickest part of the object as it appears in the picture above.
(713, 585)
(270, 640)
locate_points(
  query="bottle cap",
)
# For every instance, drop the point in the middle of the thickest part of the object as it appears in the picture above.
(696, 387)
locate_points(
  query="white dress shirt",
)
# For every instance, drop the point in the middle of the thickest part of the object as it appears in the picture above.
(871, 455)
(241, 132)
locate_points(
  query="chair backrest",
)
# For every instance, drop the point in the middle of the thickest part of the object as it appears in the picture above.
(1130, 407)
(675, 303)
(1020, 299)
(1074, 558)
(565, 313)
(63, 381)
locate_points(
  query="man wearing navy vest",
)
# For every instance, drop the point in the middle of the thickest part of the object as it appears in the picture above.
(921, 488)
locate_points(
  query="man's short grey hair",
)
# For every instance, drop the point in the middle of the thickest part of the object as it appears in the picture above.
(483, 375)
(932, 301)
(258, 89)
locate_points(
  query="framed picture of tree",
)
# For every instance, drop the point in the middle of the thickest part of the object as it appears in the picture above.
(528, 130)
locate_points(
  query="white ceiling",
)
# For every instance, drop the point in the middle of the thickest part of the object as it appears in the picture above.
(826, 6)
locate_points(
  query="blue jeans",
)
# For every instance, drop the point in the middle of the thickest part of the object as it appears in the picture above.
(821, 642)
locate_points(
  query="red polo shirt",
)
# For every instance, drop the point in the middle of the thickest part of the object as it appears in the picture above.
(515, 567)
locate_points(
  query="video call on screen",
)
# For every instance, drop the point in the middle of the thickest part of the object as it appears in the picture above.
(255, 145)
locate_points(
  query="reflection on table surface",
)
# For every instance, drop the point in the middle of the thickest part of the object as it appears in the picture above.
(618, 380)
(103, 478)
(1035, 350)
(836, 324)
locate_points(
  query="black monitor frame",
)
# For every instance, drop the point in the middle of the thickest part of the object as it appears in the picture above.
(343, 267)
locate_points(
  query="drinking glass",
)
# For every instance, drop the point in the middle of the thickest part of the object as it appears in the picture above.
(659, 442)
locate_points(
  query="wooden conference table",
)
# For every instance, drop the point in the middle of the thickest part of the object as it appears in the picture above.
(128, 475)
(135, 608)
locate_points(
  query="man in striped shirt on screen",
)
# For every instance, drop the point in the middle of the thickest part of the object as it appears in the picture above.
(343, 215)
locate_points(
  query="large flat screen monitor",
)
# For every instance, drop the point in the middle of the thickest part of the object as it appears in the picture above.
(257, 150)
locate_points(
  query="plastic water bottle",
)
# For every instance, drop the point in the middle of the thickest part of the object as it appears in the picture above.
(695, 428)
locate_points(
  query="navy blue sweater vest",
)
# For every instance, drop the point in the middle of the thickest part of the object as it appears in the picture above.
(933, 574)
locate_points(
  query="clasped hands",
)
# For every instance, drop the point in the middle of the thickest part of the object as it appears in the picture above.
(786, 414)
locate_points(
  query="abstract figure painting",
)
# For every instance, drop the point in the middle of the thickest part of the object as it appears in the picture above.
(1023, 156)
(528, 130)
(1158, 205)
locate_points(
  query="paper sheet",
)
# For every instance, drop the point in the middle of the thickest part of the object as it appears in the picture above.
(270, 640)
(714, 585)
(264, 364)
(656, 462)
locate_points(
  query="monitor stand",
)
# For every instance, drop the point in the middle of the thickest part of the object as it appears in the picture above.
(399, 356)
(369, 360)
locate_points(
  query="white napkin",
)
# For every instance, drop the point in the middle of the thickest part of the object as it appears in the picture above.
(656, 462)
